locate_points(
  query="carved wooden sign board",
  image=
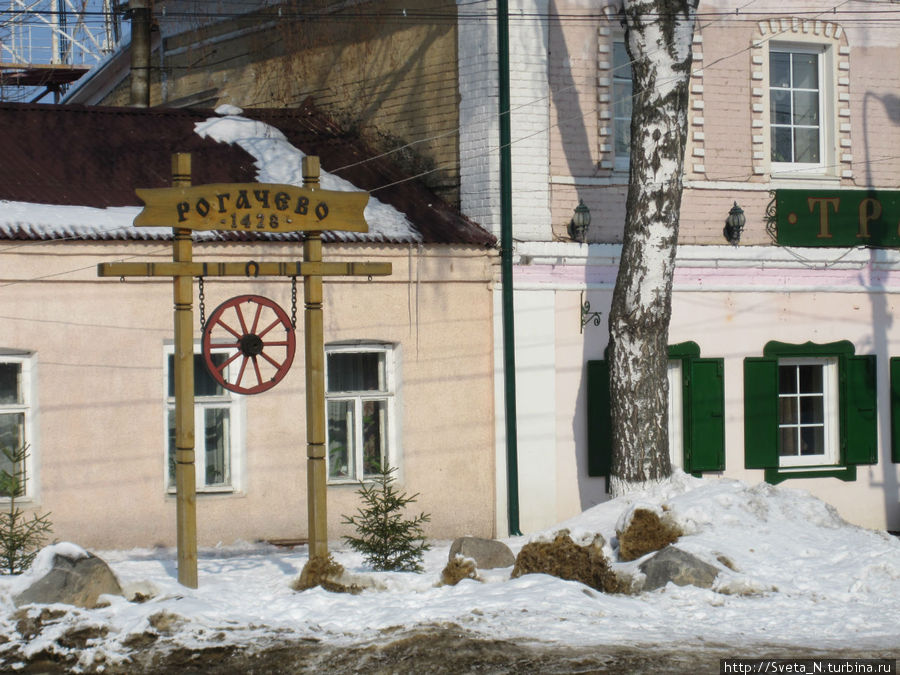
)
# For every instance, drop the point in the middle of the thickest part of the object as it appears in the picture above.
(257, 207)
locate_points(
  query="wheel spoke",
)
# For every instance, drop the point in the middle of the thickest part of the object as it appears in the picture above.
(256, 318)
(256, 368)
(221, 322)
(240, 315)
(277, 343)
(241, 371)
(271, 360)
(272, 325)
(229, 360)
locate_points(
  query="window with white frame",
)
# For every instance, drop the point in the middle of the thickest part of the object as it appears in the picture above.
(797, 107)
(622, 104)
(810, 410)
(16, 413)
(218, 441)
(359, 393)
(807, 412)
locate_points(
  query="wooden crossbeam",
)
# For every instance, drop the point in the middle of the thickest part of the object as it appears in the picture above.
(250, 269)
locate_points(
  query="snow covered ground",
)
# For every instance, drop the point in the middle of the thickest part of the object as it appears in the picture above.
(802, 579)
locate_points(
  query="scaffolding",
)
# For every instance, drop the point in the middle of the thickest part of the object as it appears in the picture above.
(45, 45)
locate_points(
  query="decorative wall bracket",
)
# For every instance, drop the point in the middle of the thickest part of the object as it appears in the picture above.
(587, 316)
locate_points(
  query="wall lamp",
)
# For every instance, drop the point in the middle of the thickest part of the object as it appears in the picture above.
(578, 226)
(734, 225)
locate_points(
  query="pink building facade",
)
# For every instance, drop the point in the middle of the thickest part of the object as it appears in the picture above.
(781, 343)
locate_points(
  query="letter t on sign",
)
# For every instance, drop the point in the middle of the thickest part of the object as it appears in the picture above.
(823, 204)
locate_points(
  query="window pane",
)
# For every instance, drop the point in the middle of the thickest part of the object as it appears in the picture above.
(216, 428)
(621, 62)
(12, 430)
(812, 410)
(622, 101)
(779, 69)
(787, 410)
(623, 137)
(810, 379)
(812, 441)
(788, 447)
(787, 379)
(806, 145)
(13, 477)
(806, 108)
(12, 438)
(204, 384)
(806, 71)
(374, 436)
(781, 144)
(340, 439)
(10, 383)
(781, 106)
(356, 371)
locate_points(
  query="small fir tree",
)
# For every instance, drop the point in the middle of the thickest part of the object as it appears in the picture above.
(20, 538)
(388, 540)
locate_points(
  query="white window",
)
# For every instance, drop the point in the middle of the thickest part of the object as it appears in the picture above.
(16, 414)
(218, 437)
(359, 393)
(807, 412)
(622, 105)
(797, 108)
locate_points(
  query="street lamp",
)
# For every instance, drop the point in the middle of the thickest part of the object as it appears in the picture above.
(734, 224)
(578, 226)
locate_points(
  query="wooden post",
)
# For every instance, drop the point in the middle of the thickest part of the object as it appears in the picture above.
(316, 470)
(185, 481)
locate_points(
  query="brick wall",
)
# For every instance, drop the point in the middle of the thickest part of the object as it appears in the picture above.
(479, 124)
(392, 80)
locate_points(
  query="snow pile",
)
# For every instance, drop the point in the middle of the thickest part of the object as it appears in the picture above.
(43, 563)
(792, 573)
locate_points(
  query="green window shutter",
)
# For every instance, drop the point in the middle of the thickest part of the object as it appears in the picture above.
(760, 412)
(895, 409)
(599, 419)
(704, 404)
(859, 437)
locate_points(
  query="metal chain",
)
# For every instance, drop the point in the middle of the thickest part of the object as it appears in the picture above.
(202, 305)
(294, 303)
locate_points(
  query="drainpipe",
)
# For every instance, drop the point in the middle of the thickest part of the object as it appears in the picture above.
(506, 245)
(140, 53)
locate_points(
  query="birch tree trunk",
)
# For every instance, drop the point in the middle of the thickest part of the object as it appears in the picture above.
(658, 37)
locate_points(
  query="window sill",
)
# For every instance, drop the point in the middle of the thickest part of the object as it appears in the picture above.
(801, 179)
(208, 491)
(844, 473)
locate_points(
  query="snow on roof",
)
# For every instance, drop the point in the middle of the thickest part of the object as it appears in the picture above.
(277, 161)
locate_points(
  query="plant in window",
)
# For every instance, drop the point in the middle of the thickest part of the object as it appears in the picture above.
(20, 538)
(388, 539)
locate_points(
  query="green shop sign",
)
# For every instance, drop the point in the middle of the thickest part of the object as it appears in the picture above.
(837, 218)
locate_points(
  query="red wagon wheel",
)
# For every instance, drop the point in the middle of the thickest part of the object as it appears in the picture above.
(256, 339)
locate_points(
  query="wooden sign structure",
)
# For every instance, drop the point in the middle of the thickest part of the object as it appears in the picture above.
(256, 207)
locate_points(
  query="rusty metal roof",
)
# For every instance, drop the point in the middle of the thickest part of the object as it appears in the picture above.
(96, 156)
